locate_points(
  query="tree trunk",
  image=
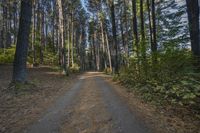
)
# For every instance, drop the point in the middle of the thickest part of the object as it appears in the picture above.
(19, 65)
(135, 31)
(108, 51)
(61, 34)
(72, 45)
(193, 18)
(103, 45)
(68, 46)
(154, 47)
(150, 23)
(112, 7)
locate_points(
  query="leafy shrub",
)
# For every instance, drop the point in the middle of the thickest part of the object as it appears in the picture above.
(173, 79)
(107, 70)
(7, 55)
(75, 68)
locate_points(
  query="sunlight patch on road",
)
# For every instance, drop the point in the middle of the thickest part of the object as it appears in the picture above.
(93, 74)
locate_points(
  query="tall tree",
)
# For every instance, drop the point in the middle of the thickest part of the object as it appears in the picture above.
(112, 9)
(154, 45)
(61, 36)
(193, 18)
(135, 31)
(19, 69)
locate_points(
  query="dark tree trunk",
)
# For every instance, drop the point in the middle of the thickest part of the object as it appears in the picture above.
(134, 10)
(193, 18)
(150, 23)
(19, 65)
(116, 70)
(154, 47)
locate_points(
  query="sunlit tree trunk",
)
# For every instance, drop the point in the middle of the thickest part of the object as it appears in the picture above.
(61, 35)
(108, 51)
(103, 45)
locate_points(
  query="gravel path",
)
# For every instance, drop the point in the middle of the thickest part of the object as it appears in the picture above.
(90, 106)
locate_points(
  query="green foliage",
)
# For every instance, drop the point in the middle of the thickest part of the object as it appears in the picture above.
(50, 58)
(107, 70)
(171, 80)
(75, 68)
(7, 55)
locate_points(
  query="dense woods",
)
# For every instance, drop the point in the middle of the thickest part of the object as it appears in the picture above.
(150, 46)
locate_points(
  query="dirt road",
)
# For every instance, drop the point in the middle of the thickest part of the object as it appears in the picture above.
(90, 106)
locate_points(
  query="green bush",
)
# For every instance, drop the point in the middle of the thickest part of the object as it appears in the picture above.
(75, 68)
(173, 79)
(7, 55)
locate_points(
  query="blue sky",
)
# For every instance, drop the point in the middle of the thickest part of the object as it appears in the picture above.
(84, 4)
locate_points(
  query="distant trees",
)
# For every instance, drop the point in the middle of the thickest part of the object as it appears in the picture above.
(109, 34)
(19, 68)
(8, 22)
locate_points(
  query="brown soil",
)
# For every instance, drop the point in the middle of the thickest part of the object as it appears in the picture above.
(17, 111)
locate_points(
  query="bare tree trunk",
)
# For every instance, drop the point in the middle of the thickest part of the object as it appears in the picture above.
(61, 34)
(72, 45)
(103, 45)
(68, 46)
(34, 33)
(150, 23)
(112, 7)
(135, 31)
(154, 47)
(19, 65)
(193, 17)
(108, 51)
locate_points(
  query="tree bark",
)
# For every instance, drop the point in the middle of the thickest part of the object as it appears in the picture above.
(112, 7)
(193, 18)
(108, 51)
(135, 31)
(19, 65)
(61, 35)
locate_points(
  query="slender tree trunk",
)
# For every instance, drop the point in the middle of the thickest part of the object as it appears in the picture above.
(94, 51)
(61, 34)
(143, 40)
(108, 51)
(72, 45)
(112, 7)
(135, 31)
(122, 35)
(154, 47)
(19, 65)
(68, 46)
(150, 23)
(34, 33)
(103, 45)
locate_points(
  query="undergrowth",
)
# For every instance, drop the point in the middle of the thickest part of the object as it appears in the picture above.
(173, 80)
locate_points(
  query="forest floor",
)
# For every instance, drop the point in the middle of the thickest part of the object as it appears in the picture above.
(85, 103)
